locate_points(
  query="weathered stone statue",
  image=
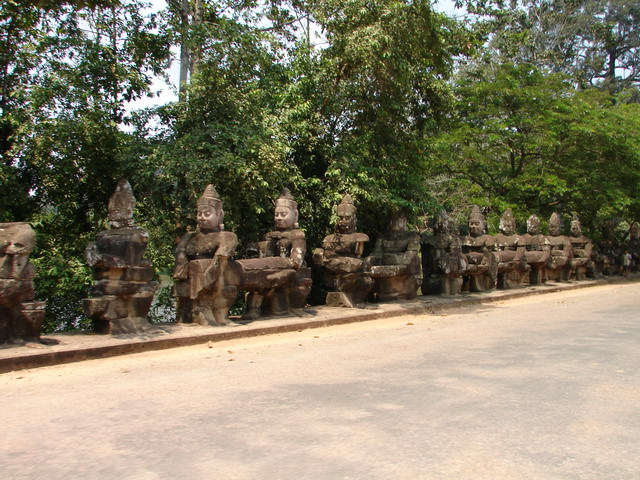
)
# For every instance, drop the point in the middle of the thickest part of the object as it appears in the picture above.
(608, 257)
(206, 276)
(343, 268)
(123, 286)
(537, 250)
(582, 248)
(442, 260)
(278, 282)
(633, 244)
(479, 250)
(559, 264)
(394, 263)
(20, 316)
(512, 264)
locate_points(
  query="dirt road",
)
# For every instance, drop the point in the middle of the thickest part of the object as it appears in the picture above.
(545, 387)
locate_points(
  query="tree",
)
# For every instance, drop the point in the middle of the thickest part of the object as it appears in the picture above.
(595, 42)
(527, 140)
(67, 76)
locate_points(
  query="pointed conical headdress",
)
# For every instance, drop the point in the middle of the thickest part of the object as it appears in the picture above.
(555, 220)
(476, 214)
(286, 200)
(210, 197)
(507, 218)
(346, 205)
(122, 202)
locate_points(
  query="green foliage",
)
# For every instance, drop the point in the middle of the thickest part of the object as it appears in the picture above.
(528, 141)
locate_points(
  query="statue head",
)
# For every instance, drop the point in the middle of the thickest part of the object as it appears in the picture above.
(17, 241)
(121, 206)
(533, 225)
(555, 225)
(634, 231)
(346, 212)
(476, 222)
(398, 222)
(210, 212)
(286, 213)
(441, 222)
(507, 222)
(576, 228)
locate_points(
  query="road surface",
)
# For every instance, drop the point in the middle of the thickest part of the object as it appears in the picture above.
(544, 387)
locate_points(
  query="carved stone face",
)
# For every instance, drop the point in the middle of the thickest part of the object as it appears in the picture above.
(17, 241)
(508, 227)
(121, 218)
(576, 229)
(209, 218)
(285, 218)
(441, 222)
(398, 223)
(634, 231)
(554, 229)
(346, 222)
(476, 227)
(533, 225)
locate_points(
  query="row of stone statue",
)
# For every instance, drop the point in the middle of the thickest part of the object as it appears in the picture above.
(208, 278)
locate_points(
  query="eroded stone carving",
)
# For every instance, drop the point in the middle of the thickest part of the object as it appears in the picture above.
(343, 268)
(442, 260)
(537, 250)
(559, 264)
(279, 281)
(206, 277)
(123, 286)
(394, 263)
(479, 250)
(581, 250)
(20, 316)
(633, 245)
(512, 264)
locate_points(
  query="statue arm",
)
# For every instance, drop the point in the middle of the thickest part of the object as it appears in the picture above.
(228, 241)
(588, 248)
(298, 251)
(181, 270)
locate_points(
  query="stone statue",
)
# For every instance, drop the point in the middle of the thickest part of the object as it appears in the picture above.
(537, 250)
(582, 248)
(394, 263)
(206, 277)
(559, 264)
(479, 253)
(442, 260)
(343, 268)
(608, 257)
(123, 286)
(20, 316)
(633, 245)
(279, 281)
(512, 263)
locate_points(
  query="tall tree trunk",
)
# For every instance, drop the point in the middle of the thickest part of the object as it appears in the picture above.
(196, 51)
(185, 51)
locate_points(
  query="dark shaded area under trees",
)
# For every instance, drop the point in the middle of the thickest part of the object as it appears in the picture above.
(532, 106)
